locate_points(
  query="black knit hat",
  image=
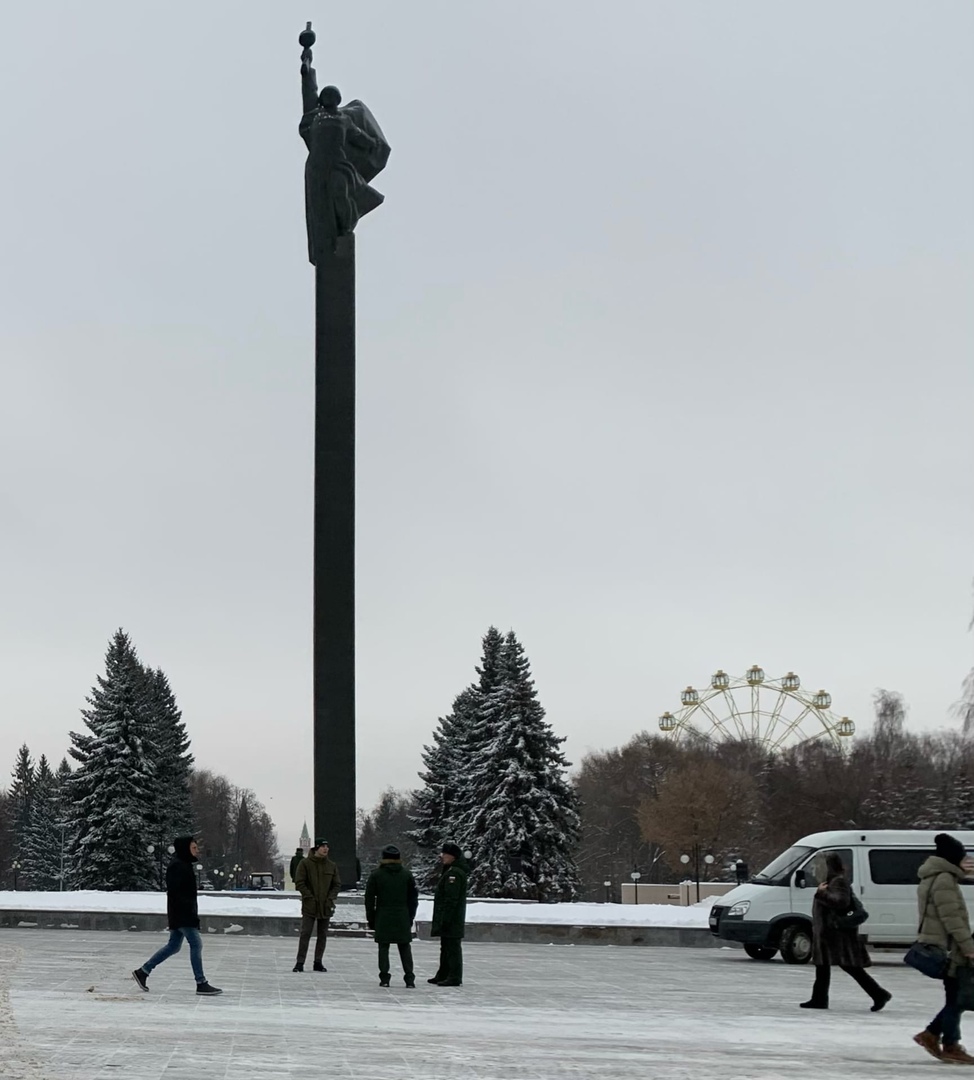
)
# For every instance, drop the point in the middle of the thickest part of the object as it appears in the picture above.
(950, 848)
(451, 849)
(321, 842)
(390, 851)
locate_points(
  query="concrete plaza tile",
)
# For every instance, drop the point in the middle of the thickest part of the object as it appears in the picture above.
(69, 1010)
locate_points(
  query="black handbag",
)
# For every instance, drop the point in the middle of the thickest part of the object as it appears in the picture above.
(851, 919)
(929, 960)
(965, 988)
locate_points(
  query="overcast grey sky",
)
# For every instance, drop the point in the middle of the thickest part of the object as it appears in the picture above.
(665, 336)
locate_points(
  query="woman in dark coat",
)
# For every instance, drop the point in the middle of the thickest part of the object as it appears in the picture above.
(832, 946)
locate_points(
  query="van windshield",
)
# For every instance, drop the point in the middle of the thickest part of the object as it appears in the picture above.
(779, 871)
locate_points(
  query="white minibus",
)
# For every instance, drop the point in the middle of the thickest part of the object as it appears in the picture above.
(772, 912)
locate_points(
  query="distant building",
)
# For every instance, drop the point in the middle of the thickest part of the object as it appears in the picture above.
(304, 842)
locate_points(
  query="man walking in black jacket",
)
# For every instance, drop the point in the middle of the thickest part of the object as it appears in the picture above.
(184, 920)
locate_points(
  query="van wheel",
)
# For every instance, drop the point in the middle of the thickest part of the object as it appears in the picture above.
(796, 944)
(759, 952)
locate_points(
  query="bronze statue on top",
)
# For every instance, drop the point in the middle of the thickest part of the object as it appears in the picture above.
(346, 149)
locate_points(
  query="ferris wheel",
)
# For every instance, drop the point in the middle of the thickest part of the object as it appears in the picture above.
(754, 708)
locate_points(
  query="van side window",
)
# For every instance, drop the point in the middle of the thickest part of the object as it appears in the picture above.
(815, 867)
(896, 866)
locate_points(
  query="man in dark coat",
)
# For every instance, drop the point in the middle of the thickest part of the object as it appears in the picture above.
(391, 899)
(183, 917)
(832, 945)
(296, 862)
(318, 883)
(450, 915)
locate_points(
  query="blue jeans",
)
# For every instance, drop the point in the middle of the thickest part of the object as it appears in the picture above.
(174, 944)
(946, 1023)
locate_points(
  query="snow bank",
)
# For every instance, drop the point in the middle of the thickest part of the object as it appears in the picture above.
(583, 914)
(290, 907)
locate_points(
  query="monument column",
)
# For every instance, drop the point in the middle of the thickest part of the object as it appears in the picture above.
(334, 554)
(346, 149)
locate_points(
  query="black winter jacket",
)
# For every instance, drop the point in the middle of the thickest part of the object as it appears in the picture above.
(181, 903)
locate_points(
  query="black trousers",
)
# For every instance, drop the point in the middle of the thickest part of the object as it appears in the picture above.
(308, 924)
(451, 960)
(405, 957)
(823, 979)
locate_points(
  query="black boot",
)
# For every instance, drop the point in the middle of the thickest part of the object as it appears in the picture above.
(384, 980)
(880, 1001)
(319, 966)
(813, 1005)
(298, 967)
(410, 981)
(209, 991)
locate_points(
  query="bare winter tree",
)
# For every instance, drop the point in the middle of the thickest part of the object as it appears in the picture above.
(233, 825)
(388, 822)
(964, 709)
(706, 804)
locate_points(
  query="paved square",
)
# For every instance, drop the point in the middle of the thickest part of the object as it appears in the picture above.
(69, 1010)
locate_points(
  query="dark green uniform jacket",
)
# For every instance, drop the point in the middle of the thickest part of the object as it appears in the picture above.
(450, 902)
(318, 883)
(391, 899)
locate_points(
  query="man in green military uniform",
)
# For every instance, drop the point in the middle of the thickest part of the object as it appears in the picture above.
(318, 883)
(449, 916)
(391, 899)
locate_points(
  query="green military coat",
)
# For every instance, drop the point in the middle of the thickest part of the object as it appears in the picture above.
(450, 901)
(318, 883)
(391, 899)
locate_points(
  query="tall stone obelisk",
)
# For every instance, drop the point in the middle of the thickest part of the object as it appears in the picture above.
(346, 149)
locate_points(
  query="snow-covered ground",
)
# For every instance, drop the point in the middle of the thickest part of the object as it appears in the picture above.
(290, 906)
(69, 1010)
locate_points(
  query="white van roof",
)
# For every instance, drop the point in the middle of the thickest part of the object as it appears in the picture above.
(882, 838)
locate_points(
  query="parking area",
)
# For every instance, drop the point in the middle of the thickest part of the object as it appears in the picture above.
(69, 1010)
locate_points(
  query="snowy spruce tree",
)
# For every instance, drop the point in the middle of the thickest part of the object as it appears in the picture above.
(171, 757)
(437, 802)
(521, 820)
(442, 803)
(113, 792)
(21, 797)
(43, 853)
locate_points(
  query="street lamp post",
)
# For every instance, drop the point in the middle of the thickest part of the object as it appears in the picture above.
(159, 853)
(708, 859)
(635, 875)
(236, 870)
(608, 893)
(150, 851)
(16, 867)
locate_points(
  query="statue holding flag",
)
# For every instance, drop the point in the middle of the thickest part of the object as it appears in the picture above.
(346, 150)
